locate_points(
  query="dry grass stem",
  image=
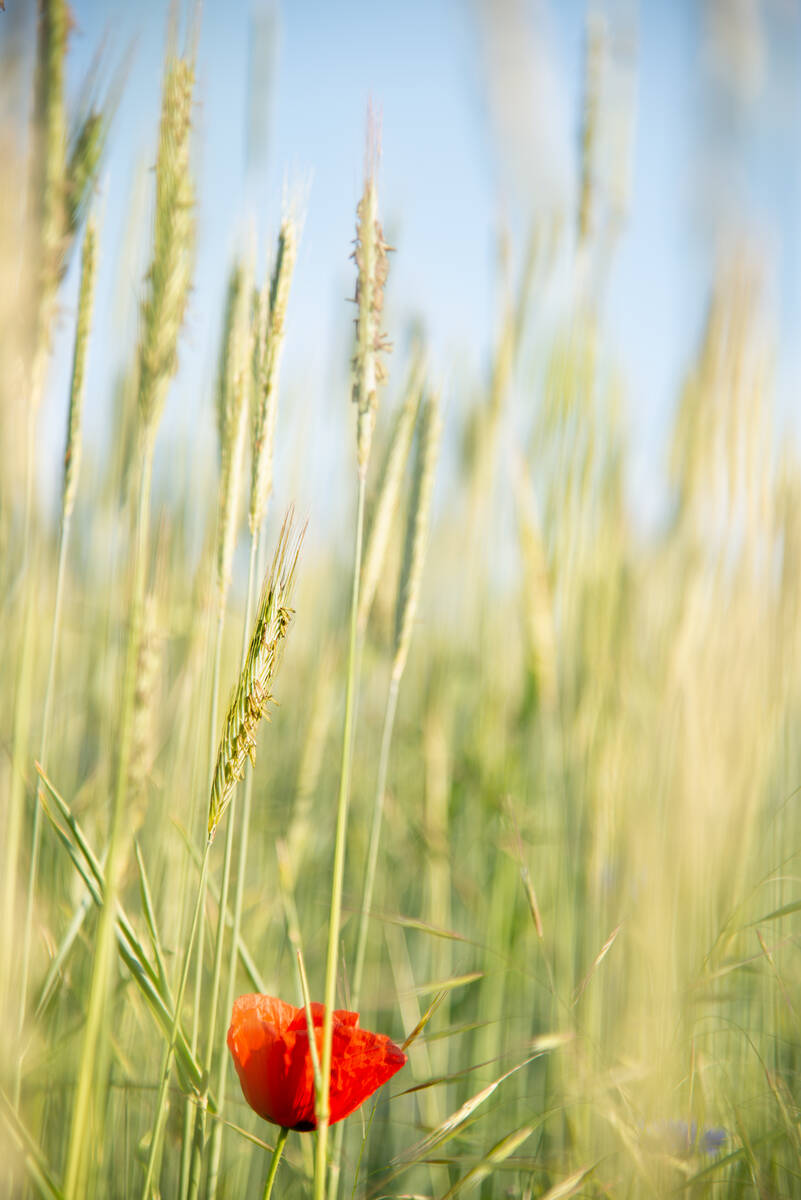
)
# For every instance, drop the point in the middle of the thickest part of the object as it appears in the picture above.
(388, 498)
(417, 530)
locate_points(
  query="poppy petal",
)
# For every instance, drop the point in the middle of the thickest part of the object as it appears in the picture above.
(318, 1014)
(269, 1043)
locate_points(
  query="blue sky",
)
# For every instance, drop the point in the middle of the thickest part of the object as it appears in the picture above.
(448, 181)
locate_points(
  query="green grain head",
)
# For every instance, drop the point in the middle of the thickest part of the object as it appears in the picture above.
(170, 273)
(49, 158)
(269, 341)
(72, 454)
(253, 691)
(233, 386)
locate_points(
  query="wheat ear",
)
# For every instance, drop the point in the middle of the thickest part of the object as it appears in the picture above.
(232, 407)
(370, 254)
(252, 695)
(173, 245)
(267, 363)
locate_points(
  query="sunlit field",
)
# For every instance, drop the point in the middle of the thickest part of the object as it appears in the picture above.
(493, 761)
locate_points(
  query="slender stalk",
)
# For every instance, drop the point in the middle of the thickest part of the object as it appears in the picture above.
(80, 1138)
(372, 859)
(408, 595)
(304, 989)
(217, 1131)
(367, 897)
(277, 1152)
(161, 1105)
(339, 862)
(238, 743)
(372, 265)
(200, 1115)
(72, 456)
(267, 336)
(36, 833)
(189, 1113)
(234, 390)
(375, 837)
(14, 822)
(232, 408)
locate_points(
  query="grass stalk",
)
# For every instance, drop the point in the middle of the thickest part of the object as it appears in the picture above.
(80, 1136)
(232, 394)
(14, 825)
(343, 802)
(199, 1138)
(161, 1102)
(215, 1150)
(189, 1113)
(161, 315)
(367, 894)
(375, 837)
(408, 595)
(248, 706)
(267, 338)
(71, 467)
(368, 372)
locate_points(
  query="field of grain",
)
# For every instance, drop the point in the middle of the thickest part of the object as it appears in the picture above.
(504, 770)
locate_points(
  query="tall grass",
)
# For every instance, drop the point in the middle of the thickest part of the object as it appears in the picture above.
(528, 798)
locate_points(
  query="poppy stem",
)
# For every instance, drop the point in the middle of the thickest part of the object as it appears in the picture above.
(277, 1152)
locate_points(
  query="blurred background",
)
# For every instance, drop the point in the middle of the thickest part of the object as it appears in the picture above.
(577, 646)
(695, 160)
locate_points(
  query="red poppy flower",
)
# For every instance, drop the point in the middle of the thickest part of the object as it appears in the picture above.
(269, 1043)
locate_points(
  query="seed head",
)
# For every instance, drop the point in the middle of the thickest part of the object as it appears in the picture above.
(252, 695)
(372, 266)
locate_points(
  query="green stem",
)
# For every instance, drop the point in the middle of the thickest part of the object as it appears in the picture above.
(215, 1151)
(375, 837)
(38, 379)
(13, 829)
(189, 1113)
(339, 863)
(367, 895)
(80, 1138)
(161, 1105)
(277, 1152)
(200, 1115)
(36, 834)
